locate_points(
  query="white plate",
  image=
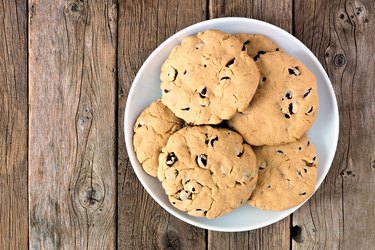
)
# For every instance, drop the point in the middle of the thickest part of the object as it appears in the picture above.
(324, 133)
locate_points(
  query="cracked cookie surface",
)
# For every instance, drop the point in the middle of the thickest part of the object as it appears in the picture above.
(151, 132)
(256, 45)
(207, 171)
(286, 175)
(208, 78)
(284, 106)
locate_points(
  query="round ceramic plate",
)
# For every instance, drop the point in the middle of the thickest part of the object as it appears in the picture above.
(146, 89)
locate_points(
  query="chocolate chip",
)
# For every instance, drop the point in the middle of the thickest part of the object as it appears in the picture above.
(294, 71)
(213, 139)
(171, 159)
(280, 152)
(309, 163)
(246, 42)
(193, 189)
(203, 92)
(225, 78)
(287, 116)
(304, 193)
(201, 160)
(269, 186)
(290, 108)
(240, 154)
(289, 94)
(310, 110)
(139, 125)
(262, 165)
(307, 92)
(308, 143)
(299, 173)
(299, 148)
(198, 209)
(264, 79)
(305, 170)
(277, 49)
(261, 52)
(314, 158)
(205, 66)
(243, 48)
(173, 202)
(186, 195)
(185, 72)
(166, 90)
(185, 109)
(172, 75)
(229, 63)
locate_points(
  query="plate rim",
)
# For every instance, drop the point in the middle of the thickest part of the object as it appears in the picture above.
(129, 141)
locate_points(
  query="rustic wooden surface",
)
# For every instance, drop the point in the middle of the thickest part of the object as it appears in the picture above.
(341, 214)
(13, 125)
(72, 124)
(61, 121)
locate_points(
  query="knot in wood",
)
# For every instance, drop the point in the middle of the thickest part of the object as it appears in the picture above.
(358, 10)
(171, 240)
(345, 173)
(91, 196)
(339, 60)
(297, 234)
(84, 116)
(74, 8)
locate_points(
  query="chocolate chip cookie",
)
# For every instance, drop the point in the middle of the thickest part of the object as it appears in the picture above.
(285, 105)
(207, 171)
(151, 132)
(208, 78)
(287, 175)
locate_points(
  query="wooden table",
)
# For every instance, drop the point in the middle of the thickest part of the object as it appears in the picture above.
(65, 71)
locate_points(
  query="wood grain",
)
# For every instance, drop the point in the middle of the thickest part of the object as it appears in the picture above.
(13, 125)
(142, 223)
(72, 86)
(341, 214)
(276, 236)
(275, 12)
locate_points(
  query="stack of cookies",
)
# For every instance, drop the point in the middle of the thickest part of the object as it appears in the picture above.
(230, 127)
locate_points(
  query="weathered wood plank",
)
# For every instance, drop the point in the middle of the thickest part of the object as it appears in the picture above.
(276, 236)
(72, 93)
(275, 12)
(142, 223)
(13, 125)
(341, 215)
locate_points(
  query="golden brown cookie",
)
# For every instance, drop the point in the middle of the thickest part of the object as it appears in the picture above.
(284, 106)
(287, 175)
(151, 132)
(207, 171)
(208, 78)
